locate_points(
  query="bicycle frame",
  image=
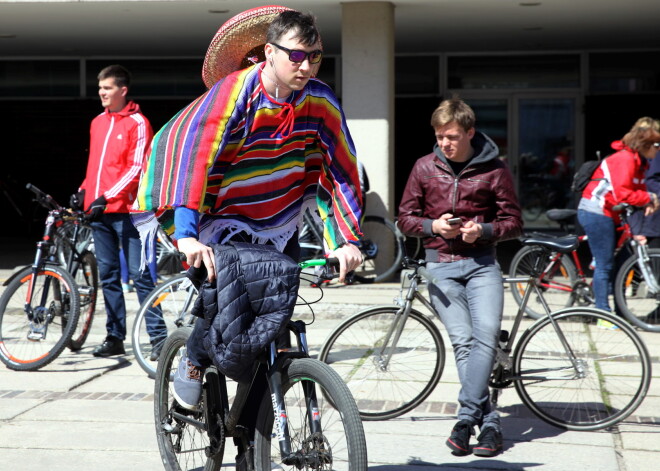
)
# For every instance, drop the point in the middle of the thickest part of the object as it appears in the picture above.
(504, 351)
(216, 396)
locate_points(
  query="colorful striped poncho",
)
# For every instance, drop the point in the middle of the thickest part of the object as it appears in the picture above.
(248, 163)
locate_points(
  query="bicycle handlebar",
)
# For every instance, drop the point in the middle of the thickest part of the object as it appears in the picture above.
(198, 275)
(44, 199)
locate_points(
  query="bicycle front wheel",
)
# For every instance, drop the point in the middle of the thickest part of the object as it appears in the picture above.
(632, 294)
(31, 340)
(166, 309)
(87, 280)
(181, 434)
(339, 445)
(388, 376)
(556, 282)
(382, 248)
(600, 382)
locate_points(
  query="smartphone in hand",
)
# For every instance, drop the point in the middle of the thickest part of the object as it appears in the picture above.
(454, 221)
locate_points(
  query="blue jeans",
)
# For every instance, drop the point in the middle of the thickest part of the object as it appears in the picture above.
(469, 298)
(601, 231)
(110, 232)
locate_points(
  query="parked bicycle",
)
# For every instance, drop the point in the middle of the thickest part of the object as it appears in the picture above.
(296, 428)
(564, 282)
(382, 247)
(569, 372)
(41, 304)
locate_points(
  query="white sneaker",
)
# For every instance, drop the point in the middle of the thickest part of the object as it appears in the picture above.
(187, 384)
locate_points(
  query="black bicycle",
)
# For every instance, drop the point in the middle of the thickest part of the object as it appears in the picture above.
(40, 308)
(307, 420)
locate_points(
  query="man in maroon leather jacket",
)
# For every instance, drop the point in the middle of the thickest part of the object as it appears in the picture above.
(461, 199)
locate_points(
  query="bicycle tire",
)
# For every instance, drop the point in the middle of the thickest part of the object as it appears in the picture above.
(615, 362)
(412, 374)
(562, 274)
(87, 280)
(382, 249)
(62, 302)
(182, 445)
(168, 305)
(343, 446)
(639, 306)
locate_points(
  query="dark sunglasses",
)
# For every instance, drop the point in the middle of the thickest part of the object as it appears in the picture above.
(296, 55)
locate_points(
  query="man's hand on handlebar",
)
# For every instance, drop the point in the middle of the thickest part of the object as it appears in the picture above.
(349, 257)
(198, 254)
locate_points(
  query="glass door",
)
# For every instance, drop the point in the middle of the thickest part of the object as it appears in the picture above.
(546, 149)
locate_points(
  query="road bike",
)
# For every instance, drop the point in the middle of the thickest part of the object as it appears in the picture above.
(307, 420)
(566, 370)
(382, 247)
(41, 305)
(564, 283)
(169, 304)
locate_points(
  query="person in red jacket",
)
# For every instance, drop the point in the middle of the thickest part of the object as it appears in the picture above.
(618, 179)
(461, 200)
(119, 139)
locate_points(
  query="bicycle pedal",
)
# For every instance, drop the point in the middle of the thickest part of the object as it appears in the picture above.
(84, 290)
(36, 334)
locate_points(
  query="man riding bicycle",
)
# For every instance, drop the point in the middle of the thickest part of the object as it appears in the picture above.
(244, 160)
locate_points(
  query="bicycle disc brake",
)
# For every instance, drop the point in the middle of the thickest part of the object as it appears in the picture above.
(315, 453)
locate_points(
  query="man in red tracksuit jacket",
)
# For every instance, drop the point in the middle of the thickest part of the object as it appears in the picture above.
(119, 139)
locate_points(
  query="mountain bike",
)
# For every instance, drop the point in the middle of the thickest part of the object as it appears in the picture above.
(170, 301)
(566, 370)
(382, 247)
(296, 428)
(40, 307)
(74, 245)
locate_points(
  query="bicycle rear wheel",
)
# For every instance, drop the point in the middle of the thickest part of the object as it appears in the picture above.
(632, 295)
(28, 345)
(386, 380)
(382, 248)
(556, 284)
(611, 375)
(87, 280)
(340, 445)
(166, 309)
(182, 439)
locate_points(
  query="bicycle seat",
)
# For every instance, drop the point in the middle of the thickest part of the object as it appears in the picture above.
(560, 214)
(563, 244)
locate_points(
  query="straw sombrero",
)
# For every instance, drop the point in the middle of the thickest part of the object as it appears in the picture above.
(242, 36)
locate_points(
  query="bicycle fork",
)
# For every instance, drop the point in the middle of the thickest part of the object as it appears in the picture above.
(41, 316)
(647, 273)
(308, 454)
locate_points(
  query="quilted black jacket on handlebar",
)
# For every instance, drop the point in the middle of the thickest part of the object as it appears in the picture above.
(247, 306)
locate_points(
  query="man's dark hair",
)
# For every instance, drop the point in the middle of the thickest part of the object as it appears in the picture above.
(303, 23)
(120, 74)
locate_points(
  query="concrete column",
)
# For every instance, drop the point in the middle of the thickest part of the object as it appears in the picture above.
(367, 67)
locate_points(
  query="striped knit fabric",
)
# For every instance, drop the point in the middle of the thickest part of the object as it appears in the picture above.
(248, 163)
